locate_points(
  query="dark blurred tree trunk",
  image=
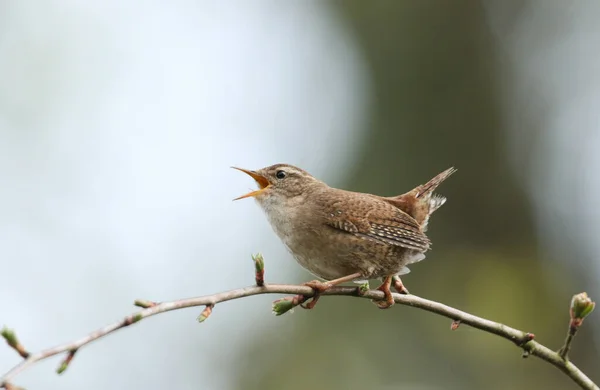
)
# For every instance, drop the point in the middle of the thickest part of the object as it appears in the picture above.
(435, 105)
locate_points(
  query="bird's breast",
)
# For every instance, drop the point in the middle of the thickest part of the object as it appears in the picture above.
(301, 233)
(282, 215)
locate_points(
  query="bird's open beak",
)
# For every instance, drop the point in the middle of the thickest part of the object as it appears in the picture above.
(262, 182)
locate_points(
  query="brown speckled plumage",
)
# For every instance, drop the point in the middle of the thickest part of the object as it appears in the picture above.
(335, 233)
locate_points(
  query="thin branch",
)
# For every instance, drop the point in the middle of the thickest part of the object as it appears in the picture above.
(259, 267)
(11, 339)
(581, 307)
(564, 351)
(521, 339)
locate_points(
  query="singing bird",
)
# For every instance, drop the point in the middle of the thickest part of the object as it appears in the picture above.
(343, 236)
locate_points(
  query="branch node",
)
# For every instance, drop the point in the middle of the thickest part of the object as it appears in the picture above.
(132, 319)
(65, 363)
(205, 313)
(259, 268)
(529, 336)
(10, 386)
(455, 324)
(363, 288)
(283, 305)
(12, 340)
(581, 307)
(144, 303)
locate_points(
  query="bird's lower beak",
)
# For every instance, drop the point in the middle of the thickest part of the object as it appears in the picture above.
(262, 182)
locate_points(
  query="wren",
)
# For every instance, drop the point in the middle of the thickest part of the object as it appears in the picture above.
(342, 236)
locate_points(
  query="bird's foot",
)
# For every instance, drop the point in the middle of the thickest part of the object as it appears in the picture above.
(388, 300)
(318, 288)
(398, 286)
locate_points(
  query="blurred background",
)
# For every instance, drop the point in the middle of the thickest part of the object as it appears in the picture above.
(118, 124)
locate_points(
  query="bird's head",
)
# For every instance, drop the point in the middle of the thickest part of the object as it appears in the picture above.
(279, 181)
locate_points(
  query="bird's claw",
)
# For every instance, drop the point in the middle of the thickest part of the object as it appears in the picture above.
(398, 286)
(384, 304)
(310, 304)
(318, 287)
(388, 298)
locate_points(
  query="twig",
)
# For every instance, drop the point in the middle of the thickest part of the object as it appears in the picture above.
(520, 338)
(301, 293)
(259, 267)
(205, 313)
(11, 339)
(65, 363)
(564, 351)
(581, 307)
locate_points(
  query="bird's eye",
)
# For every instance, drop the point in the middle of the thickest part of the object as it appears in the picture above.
(280, 174)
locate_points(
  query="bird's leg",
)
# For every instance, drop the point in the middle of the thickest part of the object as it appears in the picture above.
(388, 299)
(398, 286)
(320, 287)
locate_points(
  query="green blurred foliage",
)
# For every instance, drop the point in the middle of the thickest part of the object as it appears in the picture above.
(434, 70)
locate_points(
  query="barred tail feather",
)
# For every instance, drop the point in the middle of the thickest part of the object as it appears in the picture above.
(428, 188)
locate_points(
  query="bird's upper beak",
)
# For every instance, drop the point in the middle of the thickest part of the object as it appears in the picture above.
(262, 182)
